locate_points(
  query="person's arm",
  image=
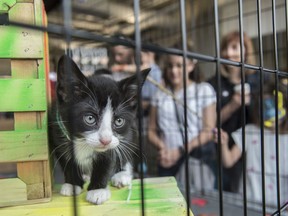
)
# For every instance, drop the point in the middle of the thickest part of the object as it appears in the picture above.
(169, 157)
(229, 156)
(130, 68)
(231, 107)
(206, 134)
(152, 129)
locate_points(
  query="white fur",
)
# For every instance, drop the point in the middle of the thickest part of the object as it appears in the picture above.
(122, 178)
(85, 148)
(84, 155)
(92, 138)
(105, 130)
(67, 190)
(98, 196)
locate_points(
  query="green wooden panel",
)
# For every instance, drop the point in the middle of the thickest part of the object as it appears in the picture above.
(38, 12)
(23, 145)
(19, 42)
(159, 204)
(5, 5)
(22, 95)
(41, 69)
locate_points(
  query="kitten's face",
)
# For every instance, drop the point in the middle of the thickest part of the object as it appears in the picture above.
(98, 110)
(100, 128)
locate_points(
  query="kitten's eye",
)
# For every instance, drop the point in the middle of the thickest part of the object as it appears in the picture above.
(89, 120)
(119, 122)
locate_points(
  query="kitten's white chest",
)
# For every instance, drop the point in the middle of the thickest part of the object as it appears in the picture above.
(84, 156)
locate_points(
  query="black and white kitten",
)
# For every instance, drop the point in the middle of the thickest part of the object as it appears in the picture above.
(94, 123)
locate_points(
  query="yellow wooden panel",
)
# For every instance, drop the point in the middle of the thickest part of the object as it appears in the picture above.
(22, 12)
(19, 42)
(38, 8)
(24, 69)
(25, 120)
(163, 198)
(26, 1)
(35, 191)
(6, 5)
(47, 184)
(30, 172)
(17, 146)
(12, 191)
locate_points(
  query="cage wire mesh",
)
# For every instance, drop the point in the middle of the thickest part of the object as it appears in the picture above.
(87, 29)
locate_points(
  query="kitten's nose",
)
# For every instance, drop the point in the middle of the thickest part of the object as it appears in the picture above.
(105, 141)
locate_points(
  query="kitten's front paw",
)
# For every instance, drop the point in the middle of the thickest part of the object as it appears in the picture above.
(67, 190)
(121, 179)
(98, 196)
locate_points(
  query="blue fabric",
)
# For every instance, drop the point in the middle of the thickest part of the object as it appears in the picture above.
(149, 89)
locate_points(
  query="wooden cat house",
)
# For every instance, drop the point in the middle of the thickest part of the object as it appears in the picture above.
(23, 93)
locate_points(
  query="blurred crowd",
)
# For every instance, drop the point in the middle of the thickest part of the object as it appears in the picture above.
(180, 119)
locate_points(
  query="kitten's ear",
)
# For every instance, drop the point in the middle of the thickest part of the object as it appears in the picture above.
(70, 80)
(129, 86)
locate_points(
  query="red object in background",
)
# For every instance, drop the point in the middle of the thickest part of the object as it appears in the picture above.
(199, 202)
(53, 81)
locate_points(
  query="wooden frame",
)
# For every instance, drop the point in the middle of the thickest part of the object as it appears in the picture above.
(25, 94)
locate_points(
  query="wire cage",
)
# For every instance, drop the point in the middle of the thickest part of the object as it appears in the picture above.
(86, 30)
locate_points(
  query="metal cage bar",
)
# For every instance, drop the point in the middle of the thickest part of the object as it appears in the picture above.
(243, 110)
(276, 76)
(261, 97)
(184, 46)
(140, 111)
(218, 105)
(67, 12)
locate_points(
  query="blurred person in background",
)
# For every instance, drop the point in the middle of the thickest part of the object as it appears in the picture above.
(122, 62)
(253, 146)
(166, 120)
(230, 93)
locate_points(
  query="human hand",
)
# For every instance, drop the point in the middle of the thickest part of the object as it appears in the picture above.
(117, 67)
(130, 68)
(238, 91)
(169, 157)
(237, 99)
(223, 135)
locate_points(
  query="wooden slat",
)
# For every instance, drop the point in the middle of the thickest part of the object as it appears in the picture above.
(47, 177)
(32, 174)
(25, 95)
(22, 95)
(25, 1)
(22, 12)
(23, 69)
(41, 69)
(42, 120)
(38, 11)
(20, 43)
(25, 120)
(157, 203)
(12, 191)
(30, 120)
(17, 146)
(25, 170)
(6, 5)
(35, 191)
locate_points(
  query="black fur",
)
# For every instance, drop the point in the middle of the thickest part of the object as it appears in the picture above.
(78, 95)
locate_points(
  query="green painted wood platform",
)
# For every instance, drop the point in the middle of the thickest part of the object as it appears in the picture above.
(162, 197)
